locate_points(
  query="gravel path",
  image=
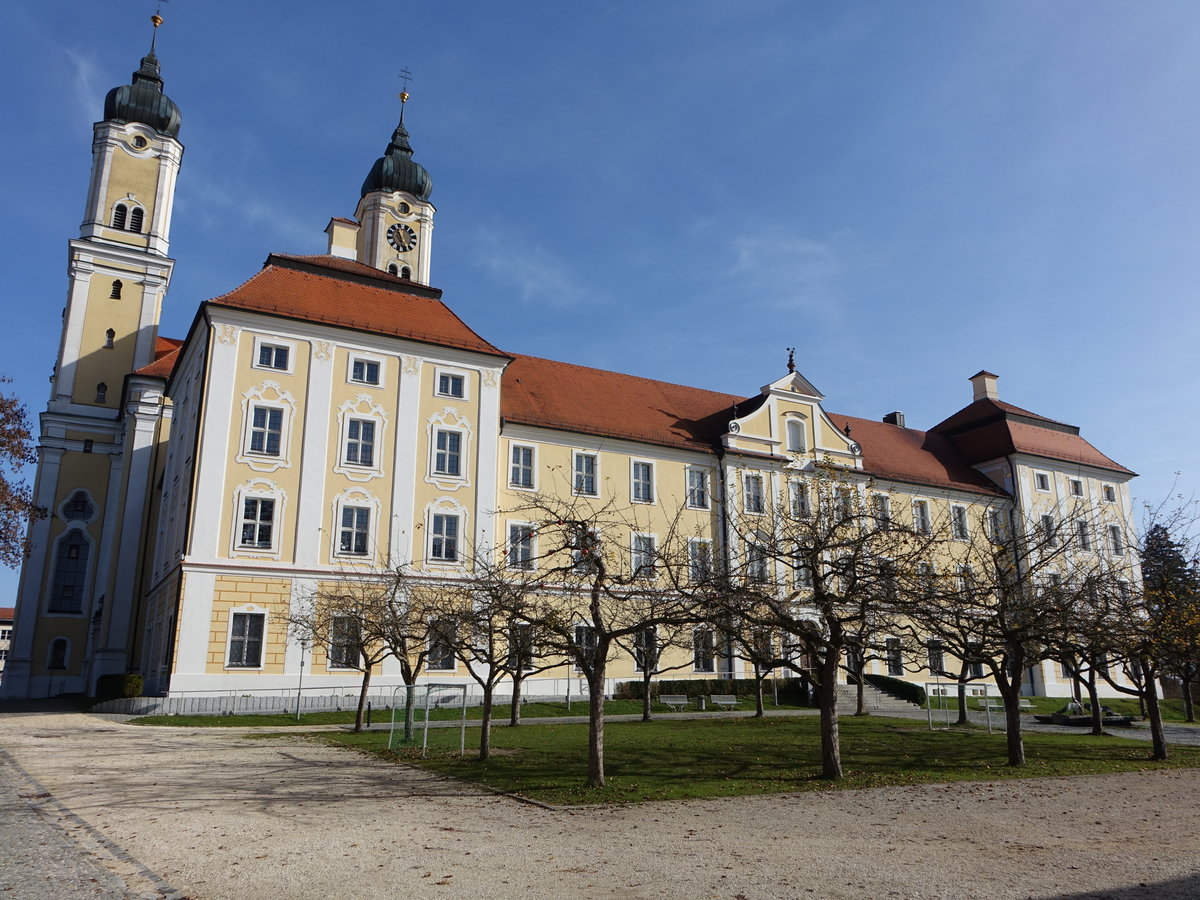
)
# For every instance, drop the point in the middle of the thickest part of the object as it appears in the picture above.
(206, 814)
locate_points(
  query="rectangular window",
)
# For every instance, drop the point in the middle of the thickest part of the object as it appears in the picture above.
(521, 473)
(1110, 494)
(798, 499)
(697, 489)
(451, 385)
(643, 482)
(1076, 487)
(520, 546)
(585, 474)
(1041, 481)
(585, 545)
(360, 442)
(344, 642)
(975, 663)
(642, 554)
(703, 651)
(1116, 541)
(843, 503)
(958, 523)
(699, 560)
(895, 657)
(756, 559)
(443, 538)
(881, 508)
(266, 430)
(5, 634)
(585, 642)
(258, 522)
(645, 650)
(920, 510)
(795, 436)
(752, 493)
(442, 635)
(273, 356)
(521, 652)
(804, 577)
(1085, 535)
(935, 657)
(447, 456)
(1049, 530)
(998, 525)
(355, 530)
(364, 371)
(246, 640)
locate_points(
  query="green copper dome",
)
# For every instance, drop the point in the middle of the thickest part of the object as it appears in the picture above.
(396, 170)
(143, 100)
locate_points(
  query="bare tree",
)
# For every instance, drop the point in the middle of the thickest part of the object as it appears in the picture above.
(604, 579)
(652, 649)
(816, 566)
(346, 618)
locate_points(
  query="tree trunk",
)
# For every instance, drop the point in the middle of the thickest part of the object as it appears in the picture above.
(831, 751)
(1011, 692)
(485, 725)
(646, 695)
(1150, 693)
(759, 678)
(595, 679)
(860, 708)
(963, 719)
(1094, 699)
(1189, 710)
(514, 714)
(362, 697)
(410, 708)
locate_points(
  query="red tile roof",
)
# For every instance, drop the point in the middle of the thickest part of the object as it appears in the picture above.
(568, 397)
(989, 429)
(315, 289)
(163, 366)
(7, 613)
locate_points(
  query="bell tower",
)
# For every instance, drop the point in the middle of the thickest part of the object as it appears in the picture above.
(395, 217)
(98, 430)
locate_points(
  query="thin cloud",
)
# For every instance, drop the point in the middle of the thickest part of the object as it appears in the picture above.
(83, 85)
(537, 275)
(787, 272)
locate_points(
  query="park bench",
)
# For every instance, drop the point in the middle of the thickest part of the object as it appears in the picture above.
(725, 701)
(998, 705)
(677, 702)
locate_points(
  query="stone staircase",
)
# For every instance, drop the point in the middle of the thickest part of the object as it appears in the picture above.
(876, 700)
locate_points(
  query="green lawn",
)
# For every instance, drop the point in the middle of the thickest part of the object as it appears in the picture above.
(379, 716)
(666, 760)
(1172, 710)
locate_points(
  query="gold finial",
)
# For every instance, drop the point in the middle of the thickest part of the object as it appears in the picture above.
(404, 96)
(156, 20)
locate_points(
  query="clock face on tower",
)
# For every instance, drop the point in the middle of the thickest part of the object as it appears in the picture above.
(402, 237)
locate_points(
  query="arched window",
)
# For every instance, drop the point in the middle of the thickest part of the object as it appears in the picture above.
(795, 436)
(120, 216)
(78, 508)
(101, 392)
(70, 572)
(135, 219)
(115, 293)
(108, 339)
(392, 269)
(406, 273)
(56, 658)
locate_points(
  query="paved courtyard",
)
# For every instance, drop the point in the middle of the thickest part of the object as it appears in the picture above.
(94, 808)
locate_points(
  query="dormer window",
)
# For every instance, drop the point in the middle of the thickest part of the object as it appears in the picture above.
(120, 216)
(115, 293)
(135, 219)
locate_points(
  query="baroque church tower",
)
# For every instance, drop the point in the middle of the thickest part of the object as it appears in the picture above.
(394, 223)
(77, 598)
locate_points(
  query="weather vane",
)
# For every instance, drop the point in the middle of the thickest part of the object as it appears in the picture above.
(791, 359)
(404, 76)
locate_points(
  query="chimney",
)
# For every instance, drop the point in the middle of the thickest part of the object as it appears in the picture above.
(895, 418)
(984, 383)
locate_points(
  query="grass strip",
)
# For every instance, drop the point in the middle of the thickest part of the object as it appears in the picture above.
(672, 760)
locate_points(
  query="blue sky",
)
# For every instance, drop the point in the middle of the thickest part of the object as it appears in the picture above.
(906, 192)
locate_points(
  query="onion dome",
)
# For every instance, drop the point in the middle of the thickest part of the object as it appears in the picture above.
(397, 171)
(143, 100)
